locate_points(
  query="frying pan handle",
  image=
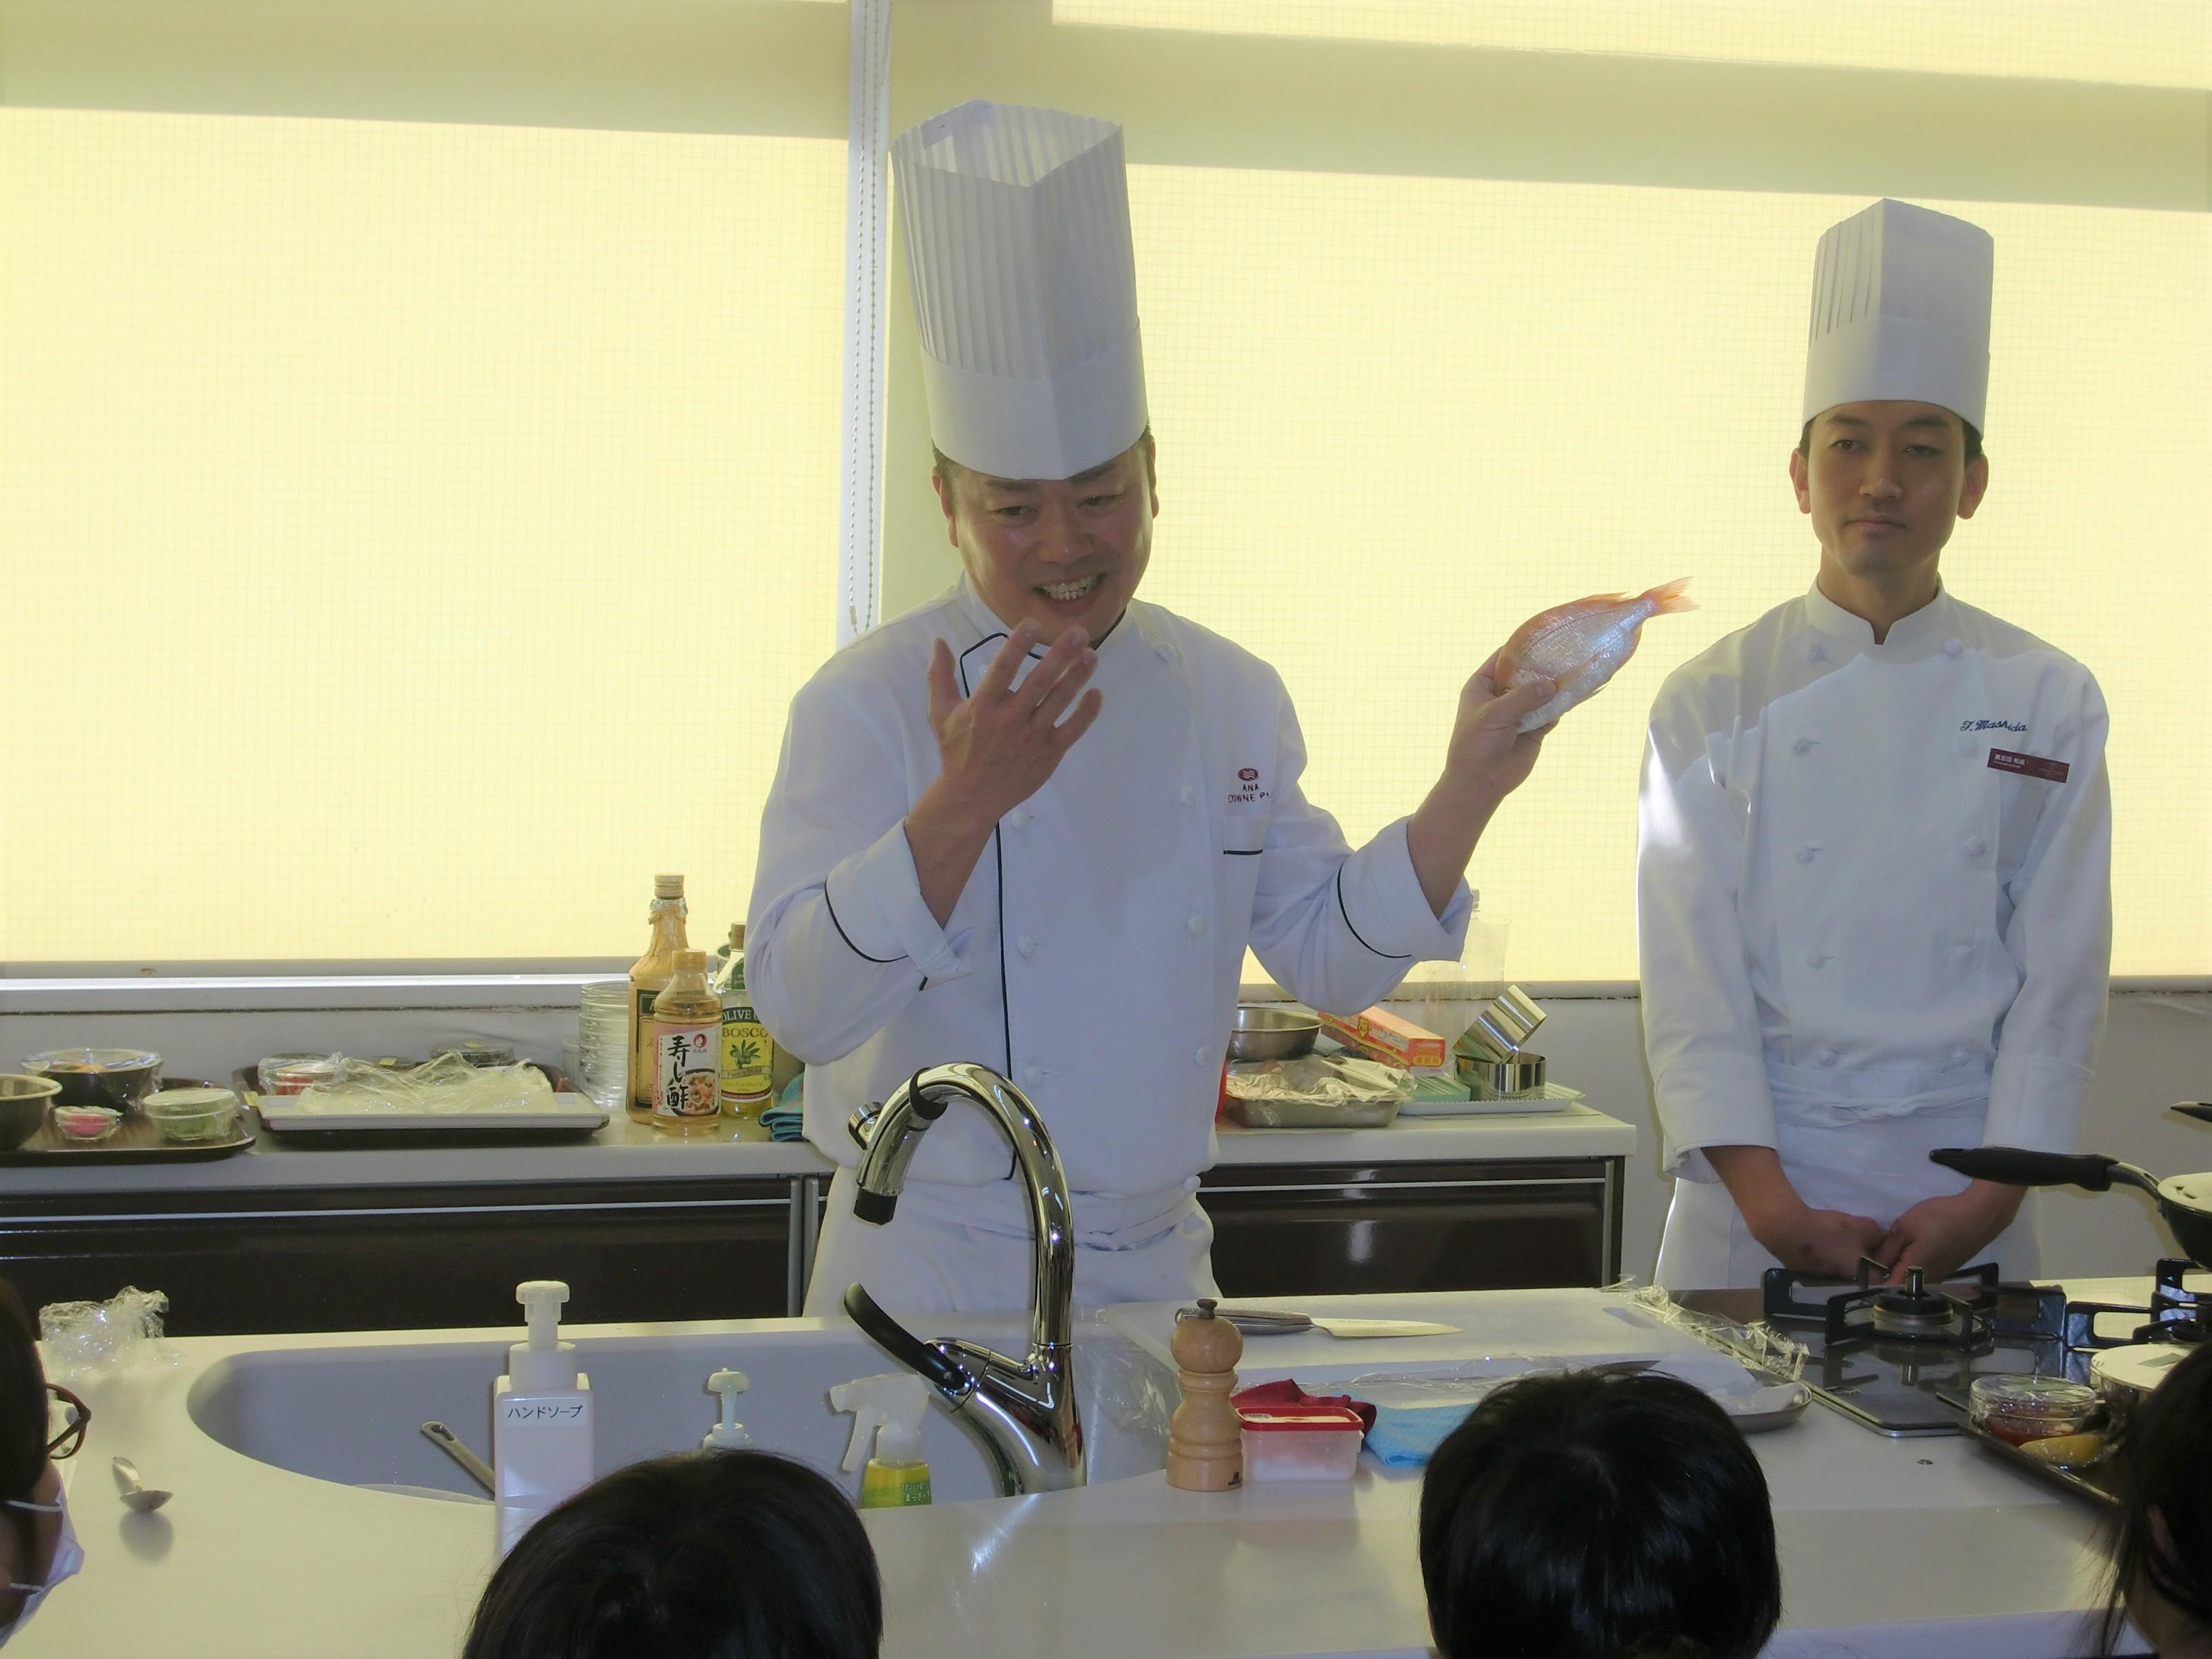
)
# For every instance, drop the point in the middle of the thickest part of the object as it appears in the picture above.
(2199, 1110)
(2018, 1167)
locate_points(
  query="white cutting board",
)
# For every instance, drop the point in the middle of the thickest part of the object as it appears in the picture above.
(1587, 1326)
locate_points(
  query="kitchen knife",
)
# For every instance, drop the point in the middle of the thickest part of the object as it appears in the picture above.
(1267, 1321)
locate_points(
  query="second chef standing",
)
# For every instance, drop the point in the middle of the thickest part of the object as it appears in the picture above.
(1036, 823)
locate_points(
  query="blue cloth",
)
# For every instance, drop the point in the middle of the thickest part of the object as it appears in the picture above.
(1406, 1436)
(785, 1120)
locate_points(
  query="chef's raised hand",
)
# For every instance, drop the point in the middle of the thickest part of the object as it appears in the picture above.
(1939, 1235)
(995, 747)
(1488, 759)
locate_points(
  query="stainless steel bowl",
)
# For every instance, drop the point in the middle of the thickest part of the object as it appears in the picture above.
(23, 1103)
(1494, 1077)
(1269, 1030)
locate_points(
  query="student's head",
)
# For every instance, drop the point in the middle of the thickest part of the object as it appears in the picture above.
(1594, 1515)
(1885, 483)
(705, 1555)
(35, 1545)
(1059, 552)
(2162, 1539)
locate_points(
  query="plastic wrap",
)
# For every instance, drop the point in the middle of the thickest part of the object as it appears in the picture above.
(1759, 1348)
(448, 1084)
(87, 1340)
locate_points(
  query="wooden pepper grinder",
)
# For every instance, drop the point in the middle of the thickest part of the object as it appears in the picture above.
(1206, 1447)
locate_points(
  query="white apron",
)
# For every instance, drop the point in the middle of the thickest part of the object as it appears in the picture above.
(1856, 1142)
(951, 1248)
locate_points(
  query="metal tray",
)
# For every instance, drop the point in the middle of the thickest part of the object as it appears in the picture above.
(2097, 1481)
(574, 1118)
(137, 1139)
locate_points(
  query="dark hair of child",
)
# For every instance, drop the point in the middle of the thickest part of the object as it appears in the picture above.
(703, 1555)
(2161, 1540)
(1591, 1515)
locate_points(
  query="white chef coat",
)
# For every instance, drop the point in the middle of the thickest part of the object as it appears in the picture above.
(1093, 958)
(1860, 939)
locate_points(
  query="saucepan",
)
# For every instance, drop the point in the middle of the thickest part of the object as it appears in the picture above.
(2185, 1200)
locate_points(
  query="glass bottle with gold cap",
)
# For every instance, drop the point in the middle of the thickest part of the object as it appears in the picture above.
(748, 1051)
(648, 976)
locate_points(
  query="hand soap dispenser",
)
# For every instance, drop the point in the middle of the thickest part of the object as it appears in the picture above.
(729, 1434)
(888, 1410)
(541, 1418)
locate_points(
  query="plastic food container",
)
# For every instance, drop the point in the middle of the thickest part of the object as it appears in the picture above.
(85, 1124)
(186, 1115)
(292, 1074)
(119, 1078)
(1300, 1443)
(2019, 1408)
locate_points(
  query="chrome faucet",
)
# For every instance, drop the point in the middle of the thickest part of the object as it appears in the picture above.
(1021, 1412)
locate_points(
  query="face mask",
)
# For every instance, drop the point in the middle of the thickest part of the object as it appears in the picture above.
(68, 1559)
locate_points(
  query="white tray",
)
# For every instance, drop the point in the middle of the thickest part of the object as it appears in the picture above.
(1552, 1097)
(568, 1114)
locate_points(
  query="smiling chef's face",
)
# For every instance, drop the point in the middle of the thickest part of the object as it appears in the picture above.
(1059, 552)
(1884, 483)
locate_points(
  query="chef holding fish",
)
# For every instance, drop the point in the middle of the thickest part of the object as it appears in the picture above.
(1873, 900)
(1036, 823)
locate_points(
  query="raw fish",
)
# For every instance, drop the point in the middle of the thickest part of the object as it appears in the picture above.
(1579, 647)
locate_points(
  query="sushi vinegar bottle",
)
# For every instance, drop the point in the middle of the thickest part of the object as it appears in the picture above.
(687, 1051)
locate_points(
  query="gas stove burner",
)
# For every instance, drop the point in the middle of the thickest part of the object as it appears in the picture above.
(2176, 1313)
(1913, 1310)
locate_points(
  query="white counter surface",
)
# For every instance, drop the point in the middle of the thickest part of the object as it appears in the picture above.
(1890, 1549)
(626, 1151)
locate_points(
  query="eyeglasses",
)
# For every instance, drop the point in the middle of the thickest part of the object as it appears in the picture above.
(70, 1439)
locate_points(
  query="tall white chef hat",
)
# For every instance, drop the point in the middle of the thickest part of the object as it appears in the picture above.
(1901, 310)
(1025, 284)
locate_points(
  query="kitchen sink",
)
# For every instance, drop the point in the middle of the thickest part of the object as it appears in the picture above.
(351, 1412)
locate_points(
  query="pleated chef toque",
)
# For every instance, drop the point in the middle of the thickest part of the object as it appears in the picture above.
(1017, 228)
(1901, 309)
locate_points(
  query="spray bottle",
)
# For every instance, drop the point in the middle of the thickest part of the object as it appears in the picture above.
(541, 1418)
(890, 1408)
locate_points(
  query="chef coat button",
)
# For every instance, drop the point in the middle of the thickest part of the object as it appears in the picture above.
(1818, 654)
(1962, 954)
(1958, 1056)
(1163, 653)
(1197, 923)
(1800, 746)
(1027, 945)
(1018, 818)
(1188, 797)
(1954, 648)
(1198, 1056)
(1825, 1057)
(1814, 959)
(1976, 846)
(1033, 1075)
(1966, 746)
(1805, 855)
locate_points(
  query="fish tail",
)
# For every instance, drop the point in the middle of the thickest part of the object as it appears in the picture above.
(1670, 598)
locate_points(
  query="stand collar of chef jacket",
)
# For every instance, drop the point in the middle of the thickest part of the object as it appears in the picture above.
(1929, 623)
(1138, 632)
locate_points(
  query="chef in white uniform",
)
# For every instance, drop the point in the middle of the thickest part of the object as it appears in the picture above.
(1872, 889)
(1035, 823)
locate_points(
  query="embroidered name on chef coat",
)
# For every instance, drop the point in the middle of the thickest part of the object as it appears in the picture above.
(1248, 792)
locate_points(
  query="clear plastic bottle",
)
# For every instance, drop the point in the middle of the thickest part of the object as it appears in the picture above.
(748, 1051)
(648, 977)
(687, 1049)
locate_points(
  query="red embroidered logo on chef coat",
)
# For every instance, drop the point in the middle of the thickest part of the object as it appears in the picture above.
(2028, 766)
(1248, 792)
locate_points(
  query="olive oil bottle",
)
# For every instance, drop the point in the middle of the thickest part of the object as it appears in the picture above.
(648, 977)
(687, 1048)
(748, 1051)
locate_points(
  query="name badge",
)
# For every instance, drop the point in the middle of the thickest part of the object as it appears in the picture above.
(2027, 766)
